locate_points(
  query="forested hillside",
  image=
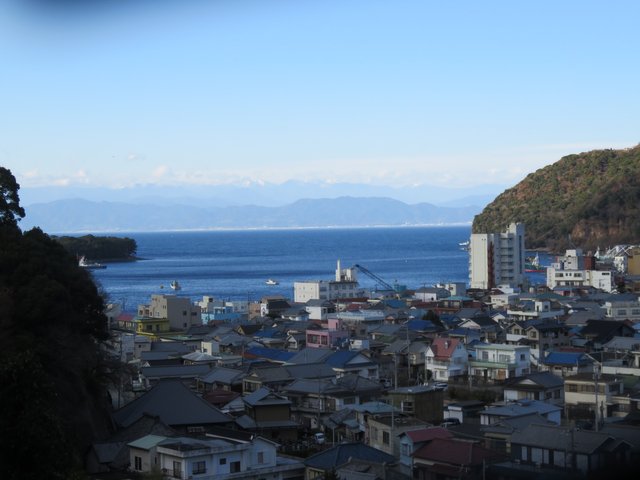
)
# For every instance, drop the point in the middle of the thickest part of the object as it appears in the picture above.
(585, 200)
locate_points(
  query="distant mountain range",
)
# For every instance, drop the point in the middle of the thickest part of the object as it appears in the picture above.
(79, 215)
(584, 200)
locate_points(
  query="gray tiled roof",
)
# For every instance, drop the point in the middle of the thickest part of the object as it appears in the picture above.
(341, 454)
(560, 438)
(174, 404)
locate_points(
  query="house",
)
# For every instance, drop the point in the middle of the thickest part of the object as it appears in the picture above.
(592, 396)
(543, 386)
(489, 329)
(446, 358)
(212, 457)
(275, 378)
(324, 463)
(412, 440)
(269, 415)
(450, 458)
(333, 336)
(222, 378)
(565, 363)
(346, 362)
(495, 413)
(314, 399)
(383, 431)
(420, 401)
(599, 332)
(566, 449)
(464, 411)
(175, 405)
(497, 362)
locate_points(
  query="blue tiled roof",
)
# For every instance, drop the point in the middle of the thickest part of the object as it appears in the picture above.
(564, 358)
(270, 353)
(340, 358)
(420, 325)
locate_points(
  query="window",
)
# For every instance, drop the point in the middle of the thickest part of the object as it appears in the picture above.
(385, 438)
(223, 461)
(260, 457)
(503, 358)
(138, 463)
(407, 407)
(485, 355)
(235, 467)
(199, 467)
(522, 356)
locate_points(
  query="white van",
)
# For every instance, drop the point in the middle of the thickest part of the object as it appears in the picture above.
(319, 438)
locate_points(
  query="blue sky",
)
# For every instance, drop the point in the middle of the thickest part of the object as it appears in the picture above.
(399, 93)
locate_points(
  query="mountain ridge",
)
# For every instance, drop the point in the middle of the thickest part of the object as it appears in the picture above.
(78, 215)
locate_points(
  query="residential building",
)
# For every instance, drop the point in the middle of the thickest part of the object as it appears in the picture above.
(566, 364)
(451, 458)
(412, 440)
(179, 311)
(420, 401)
(212, 457)
(571, 271)
(324, 463)
(383, 431)
(561, 450)
(497, 258)
(494, 361)
(495, 413)
(583, 400)
(446, 358)
(543, 386)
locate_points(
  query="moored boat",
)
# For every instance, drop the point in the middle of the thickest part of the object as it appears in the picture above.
(271, 281)
(175, 285)
(84, 263)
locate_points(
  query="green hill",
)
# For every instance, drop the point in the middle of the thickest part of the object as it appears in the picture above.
(588, 200)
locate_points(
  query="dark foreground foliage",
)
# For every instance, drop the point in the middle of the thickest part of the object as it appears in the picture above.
(52, 391)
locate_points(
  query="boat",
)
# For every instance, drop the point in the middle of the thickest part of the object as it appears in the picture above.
(175, 285)
(84, 263)
(464, 245)
(532, 265)
(271, 281)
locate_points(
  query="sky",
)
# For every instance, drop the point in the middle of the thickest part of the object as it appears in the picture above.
(400, 93)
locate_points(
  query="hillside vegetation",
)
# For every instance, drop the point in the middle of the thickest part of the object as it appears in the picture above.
(586, 200)
(99, 248)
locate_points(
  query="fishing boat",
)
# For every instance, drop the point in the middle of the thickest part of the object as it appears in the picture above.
(271, 281)
(84, 263)
(175, 285)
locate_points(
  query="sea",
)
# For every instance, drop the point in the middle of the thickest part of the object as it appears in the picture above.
(235, 264)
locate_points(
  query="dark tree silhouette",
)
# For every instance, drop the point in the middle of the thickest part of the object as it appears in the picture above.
(52, 370)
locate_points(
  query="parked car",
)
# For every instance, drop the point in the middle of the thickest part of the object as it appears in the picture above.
(319, 438)
(440, 386)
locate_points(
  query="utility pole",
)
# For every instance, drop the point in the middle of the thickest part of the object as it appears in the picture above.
(596, 374)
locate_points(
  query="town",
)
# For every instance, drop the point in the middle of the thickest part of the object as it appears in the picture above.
(497, 378)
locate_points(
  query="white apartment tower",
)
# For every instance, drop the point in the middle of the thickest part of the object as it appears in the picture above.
(497, 258)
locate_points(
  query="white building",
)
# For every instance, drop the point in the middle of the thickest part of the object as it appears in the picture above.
(345, 285)
(211, 458)
(494, 361)
(446, 358)
(570, 271)
(497, 258)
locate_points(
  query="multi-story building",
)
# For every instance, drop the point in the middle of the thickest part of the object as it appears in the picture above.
(499, 362)
(571, 270)
(497, 258)
(446, 358)
(212, 457)
(345, 285)
(179, 311)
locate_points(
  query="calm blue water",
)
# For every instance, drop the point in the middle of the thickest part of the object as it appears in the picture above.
(235, 264)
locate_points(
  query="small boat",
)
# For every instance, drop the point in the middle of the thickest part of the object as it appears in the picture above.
(175, 285)
(464, 245)
(271, 281)
(84, 263)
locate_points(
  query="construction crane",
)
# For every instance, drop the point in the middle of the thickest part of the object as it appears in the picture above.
(374, 277)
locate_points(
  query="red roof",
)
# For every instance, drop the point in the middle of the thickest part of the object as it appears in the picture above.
(443, 348)
(428, 434)
(454, 452)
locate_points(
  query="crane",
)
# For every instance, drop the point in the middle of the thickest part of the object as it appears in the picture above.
(374, 277)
